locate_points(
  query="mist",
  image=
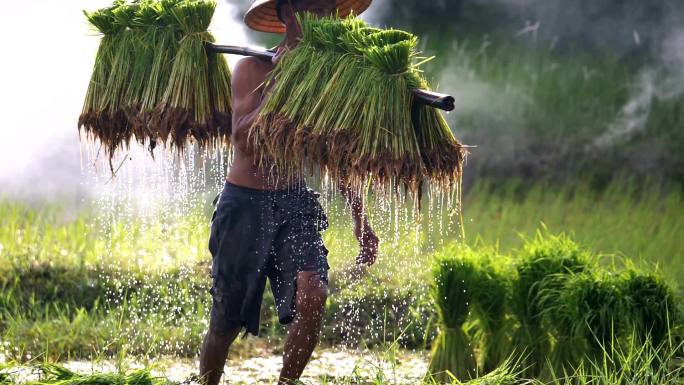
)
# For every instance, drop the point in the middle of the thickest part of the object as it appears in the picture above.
(42, 157)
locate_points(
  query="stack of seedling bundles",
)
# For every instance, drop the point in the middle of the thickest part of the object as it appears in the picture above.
(340, 104)
(153, 79)
(553, 304)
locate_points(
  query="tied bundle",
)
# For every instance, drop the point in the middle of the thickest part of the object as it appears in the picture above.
(153, 79)
(94, 120)
(452, 292)
(341, 104)
(190, 107)
(145, 30)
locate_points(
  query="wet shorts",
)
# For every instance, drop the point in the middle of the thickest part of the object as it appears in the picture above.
(259, 234)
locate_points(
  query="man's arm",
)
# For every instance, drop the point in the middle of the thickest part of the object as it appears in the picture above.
(363, 232)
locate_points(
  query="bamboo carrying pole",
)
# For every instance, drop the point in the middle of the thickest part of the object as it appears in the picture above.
(429, 98)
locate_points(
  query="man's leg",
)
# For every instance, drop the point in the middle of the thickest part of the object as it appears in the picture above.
(302, 336)
(214, 354)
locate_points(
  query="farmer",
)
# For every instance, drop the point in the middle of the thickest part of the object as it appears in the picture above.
(264, 229)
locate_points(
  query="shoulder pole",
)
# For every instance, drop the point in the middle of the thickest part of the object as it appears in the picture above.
(428, 98)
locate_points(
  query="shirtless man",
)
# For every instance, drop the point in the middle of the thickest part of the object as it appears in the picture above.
(262, 229)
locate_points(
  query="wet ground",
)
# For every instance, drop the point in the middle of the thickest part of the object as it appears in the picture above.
(261, 366)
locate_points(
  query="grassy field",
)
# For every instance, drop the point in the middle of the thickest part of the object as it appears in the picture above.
(639, 222)
(79, 287)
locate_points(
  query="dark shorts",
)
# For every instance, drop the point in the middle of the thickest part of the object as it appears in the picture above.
(259, 234)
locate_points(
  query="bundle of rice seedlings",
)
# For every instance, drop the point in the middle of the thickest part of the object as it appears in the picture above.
(341, 106)
(144, 40)
(91, 118)
(651, 305)
(569, 349)
(452, 353)
(187, 110)
(489, 307)
(300, 78)
(546, 263)
(166, 39)
(153, 78)
(596, 307)
(116, 131)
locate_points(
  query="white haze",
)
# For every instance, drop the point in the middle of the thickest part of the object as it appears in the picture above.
(663, 80)
(49, 52)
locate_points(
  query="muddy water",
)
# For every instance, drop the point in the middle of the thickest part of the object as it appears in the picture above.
(327, 366)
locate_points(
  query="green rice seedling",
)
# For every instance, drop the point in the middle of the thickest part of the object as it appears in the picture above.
(91, 118)
(545, 264)
(341, 106)
(6, 377)
(651, 305)
(489, 307)
(452, 352)
(503, 374)
(631, 363)
(59, 375)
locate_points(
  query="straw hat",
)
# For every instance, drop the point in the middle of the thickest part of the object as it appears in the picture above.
(262, 15)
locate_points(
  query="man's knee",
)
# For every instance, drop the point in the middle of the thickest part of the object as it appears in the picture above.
(312, 290)
(222, 336)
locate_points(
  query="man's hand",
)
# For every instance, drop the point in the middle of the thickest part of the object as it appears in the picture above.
(368, 243)
(363, 232)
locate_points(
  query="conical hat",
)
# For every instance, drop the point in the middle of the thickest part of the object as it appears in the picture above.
(262, 15)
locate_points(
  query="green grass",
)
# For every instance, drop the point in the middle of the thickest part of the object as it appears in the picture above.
(639, 222)
(141, 286)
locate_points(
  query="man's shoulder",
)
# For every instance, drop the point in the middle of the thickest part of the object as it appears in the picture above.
(249, 74)
(252, 66)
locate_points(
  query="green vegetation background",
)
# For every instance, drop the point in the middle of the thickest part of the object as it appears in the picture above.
(82, 287)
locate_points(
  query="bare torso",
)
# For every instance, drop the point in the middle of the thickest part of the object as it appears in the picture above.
(248, 78)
